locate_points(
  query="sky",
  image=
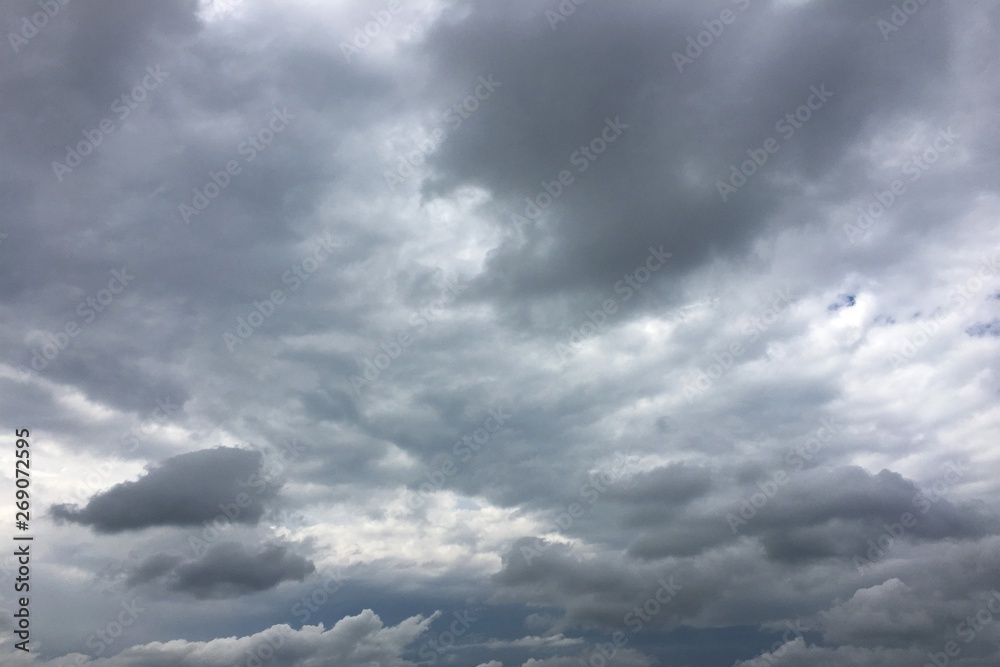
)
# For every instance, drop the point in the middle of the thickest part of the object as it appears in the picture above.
(539, 333)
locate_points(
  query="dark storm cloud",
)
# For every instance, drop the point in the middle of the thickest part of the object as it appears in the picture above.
(225, 570)
(600, 96)
(657, 183)
(152, 568)
(920, 600)
(184, 490)
(814, 514)
(834, 513)
(190, 279)
(670, 485)
(829, 512)
(843, 521)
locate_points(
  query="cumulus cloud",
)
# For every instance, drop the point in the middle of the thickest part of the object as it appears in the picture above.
(354, 641)
(879, 612)
(184, 490)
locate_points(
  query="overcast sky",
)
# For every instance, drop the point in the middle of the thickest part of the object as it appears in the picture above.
(511, 333)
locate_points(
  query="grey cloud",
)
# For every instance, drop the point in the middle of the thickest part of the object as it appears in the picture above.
(594, 234)
(670, 485)
(224, 570)
(822, 521)
(620, 658)
(818, 513)
(798, 653)
(184, 490)
(354, 641)
(829, 353)
(152, 568)
(891, 611)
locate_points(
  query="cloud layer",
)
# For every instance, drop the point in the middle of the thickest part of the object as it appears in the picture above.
(521, 333)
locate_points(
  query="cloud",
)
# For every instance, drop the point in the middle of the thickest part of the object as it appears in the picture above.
(152, 568)
(620, 658)
(798, 653)
(791, 300)
(353, 641)
(890, 610)
(184, 490)
(224, 570)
